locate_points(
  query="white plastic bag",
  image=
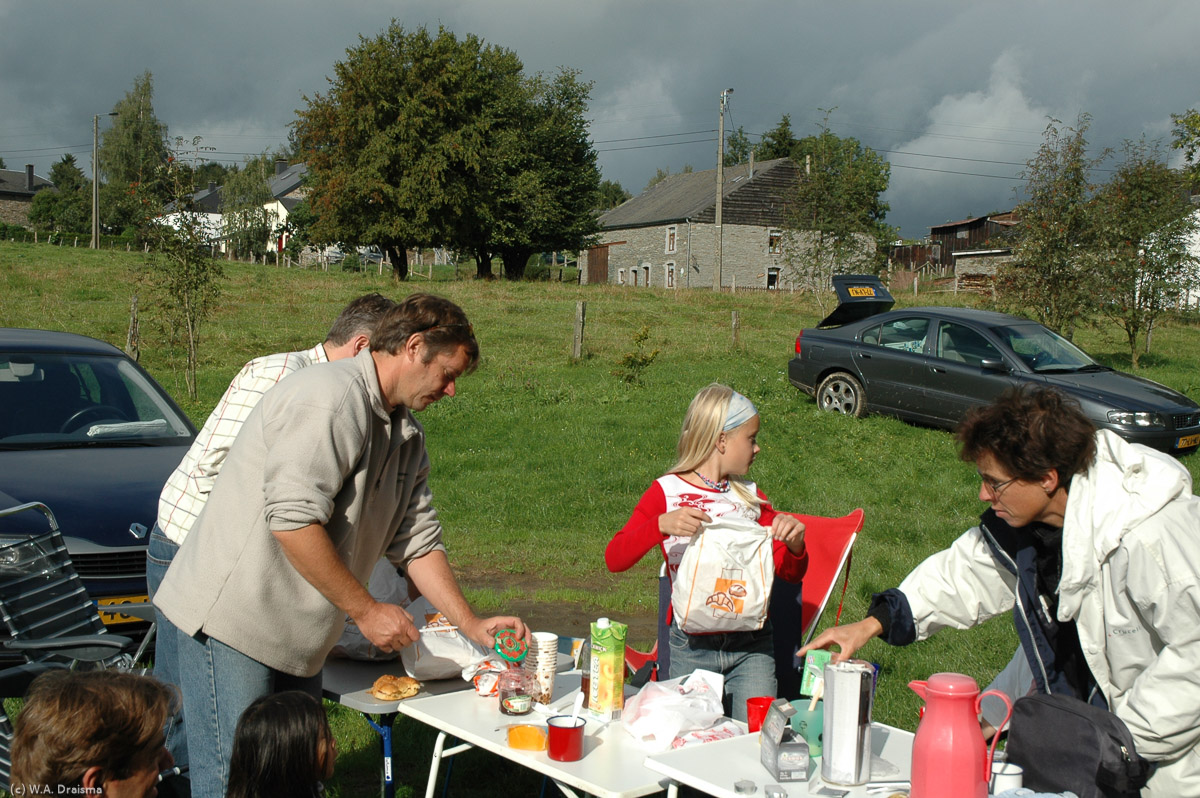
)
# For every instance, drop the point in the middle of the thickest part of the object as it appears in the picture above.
(437, 655)
(725, 577)
(662, 711)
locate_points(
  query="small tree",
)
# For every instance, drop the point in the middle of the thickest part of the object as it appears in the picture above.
(1050, 277)
(246, 222)
(68, 206)
(180, 271)
(1143, 224)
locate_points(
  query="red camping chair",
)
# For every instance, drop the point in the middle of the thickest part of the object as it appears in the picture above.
(795, 609)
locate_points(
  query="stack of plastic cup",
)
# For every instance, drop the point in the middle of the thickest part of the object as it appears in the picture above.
(541, 661)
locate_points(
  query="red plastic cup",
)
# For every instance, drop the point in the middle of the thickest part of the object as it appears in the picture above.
(565, 739)
(756, 710)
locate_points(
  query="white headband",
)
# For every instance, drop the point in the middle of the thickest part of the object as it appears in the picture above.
(740, 411)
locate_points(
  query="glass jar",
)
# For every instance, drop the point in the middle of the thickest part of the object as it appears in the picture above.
(515, 688)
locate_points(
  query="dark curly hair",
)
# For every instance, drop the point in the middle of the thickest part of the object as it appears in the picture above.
(1030, 430)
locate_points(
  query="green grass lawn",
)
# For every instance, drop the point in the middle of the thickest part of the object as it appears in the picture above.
(539, 459)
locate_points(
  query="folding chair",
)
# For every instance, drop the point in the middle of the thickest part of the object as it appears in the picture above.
(14, 682)
(655, 664)
(797, 609)
(46, 608)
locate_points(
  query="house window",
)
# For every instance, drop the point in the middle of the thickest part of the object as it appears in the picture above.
(633, 277)
(646, 274)
(775, 242)
(671, 274)
(772, 277)
(621, 277)
(671, 234)
(963, 234)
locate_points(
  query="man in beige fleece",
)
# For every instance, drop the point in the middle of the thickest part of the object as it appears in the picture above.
(328, 474)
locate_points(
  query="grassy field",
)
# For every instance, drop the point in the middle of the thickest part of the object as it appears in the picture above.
(539, 458)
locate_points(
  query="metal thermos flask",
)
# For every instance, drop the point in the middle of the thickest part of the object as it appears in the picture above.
(849, 689)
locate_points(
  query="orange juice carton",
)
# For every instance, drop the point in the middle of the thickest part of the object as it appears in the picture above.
(606, 691)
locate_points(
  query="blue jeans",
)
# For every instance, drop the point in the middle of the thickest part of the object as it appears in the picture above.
(219, 682)
(159, 554)
(745, 659)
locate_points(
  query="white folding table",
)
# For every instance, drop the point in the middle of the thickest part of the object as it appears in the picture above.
(714, 767)
(611, 766)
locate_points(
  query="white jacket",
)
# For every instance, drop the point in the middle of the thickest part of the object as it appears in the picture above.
(1131, 582)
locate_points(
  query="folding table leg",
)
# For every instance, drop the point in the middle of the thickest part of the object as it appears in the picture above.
(440, 752)
(384, 727)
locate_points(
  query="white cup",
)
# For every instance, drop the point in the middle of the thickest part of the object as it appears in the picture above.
(1006, 776)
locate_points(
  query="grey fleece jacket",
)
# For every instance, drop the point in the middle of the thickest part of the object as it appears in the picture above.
(322, 448)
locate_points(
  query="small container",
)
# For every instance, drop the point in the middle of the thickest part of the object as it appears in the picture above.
(515, 692)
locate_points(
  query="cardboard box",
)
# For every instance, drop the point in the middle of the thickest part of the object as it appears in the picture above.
(607, 671)
(783, 752)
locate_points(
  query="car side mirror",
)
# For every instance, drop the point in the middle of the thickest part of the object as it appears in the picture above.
(992, 364)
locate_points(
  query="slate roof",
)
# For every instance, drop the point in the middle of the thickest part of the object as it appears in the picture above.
(12, 181)
(683, 196)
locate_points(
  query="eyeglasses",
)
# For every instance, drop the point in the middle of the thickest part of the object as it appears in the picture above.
(995, 487)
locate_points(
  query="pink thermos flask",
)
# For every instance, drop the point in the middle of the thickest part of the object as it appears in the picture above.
(949, 757)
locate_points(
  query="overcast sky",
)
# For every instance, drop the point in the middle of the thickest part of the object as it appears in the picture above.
(954, 94)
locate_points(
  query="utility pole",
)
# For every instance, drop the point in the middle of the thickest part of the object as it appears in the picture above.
(720, 184)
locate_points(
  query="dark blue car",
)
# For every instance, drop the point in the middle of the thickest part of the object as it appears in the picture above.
(87, 432)
(933, 364)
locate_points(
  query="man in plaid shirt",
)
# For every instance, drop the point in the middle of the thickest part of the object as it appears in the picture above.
(188, 487)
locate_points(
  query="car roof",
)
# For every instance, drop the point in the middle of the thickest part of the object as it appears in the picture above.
(19, 339)
(968, 314)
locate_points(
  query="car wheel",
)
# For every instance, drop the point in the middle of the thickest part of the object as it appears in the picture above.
(842, 393)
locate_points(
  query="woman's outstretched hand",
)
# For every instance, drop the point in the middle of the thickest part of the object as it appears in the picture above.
(849, 638)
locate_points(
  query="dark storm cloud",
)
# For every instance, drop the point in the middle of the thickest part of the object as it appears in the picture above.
(955, 94)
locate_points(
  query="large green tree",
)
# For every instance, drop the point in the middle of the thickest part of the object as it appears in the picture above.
(778, 142)
(68, 206)
(737, 148)
(1186, 137)
(836, 216)
(131, 154)
(547, 182)
(396, 147)
(1051, 279)
(1143, 223)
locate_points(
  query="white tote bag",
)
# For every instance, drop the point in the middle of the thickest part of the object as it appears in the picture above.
(724, 579)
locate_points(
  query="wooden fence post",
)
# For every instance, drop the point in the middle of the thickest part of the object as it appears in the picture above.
(580, 314)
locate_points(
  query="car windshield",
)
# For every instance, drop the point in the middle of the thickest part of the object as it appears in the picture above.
(52, 400)
(1043, 349)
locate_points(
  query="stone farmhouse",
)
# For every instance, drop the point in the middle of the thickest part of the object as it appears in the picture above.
(666, 237)
(16, 194)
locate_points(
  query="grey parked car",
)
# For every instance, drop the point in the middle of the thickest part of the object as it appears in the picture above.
(932, 364)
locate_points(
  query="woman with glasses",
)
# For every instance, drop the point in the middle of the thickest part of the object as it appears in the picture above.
(1093, 543)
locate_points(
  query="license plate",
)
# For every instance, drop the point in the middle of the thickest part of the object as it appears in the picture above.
(1188, 440)
(109, 617)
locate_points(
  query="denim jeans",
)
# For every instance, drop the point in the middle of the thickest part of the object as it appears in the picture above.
(745, 659)
(219, 682)
(159, 554)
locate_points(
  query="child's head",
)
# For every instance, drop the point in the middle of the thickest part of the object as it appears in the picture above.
(282, 747)
(716, 414)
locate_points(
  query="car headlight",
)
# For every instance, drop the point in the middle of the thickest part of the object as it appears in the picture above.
(1130, 418)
